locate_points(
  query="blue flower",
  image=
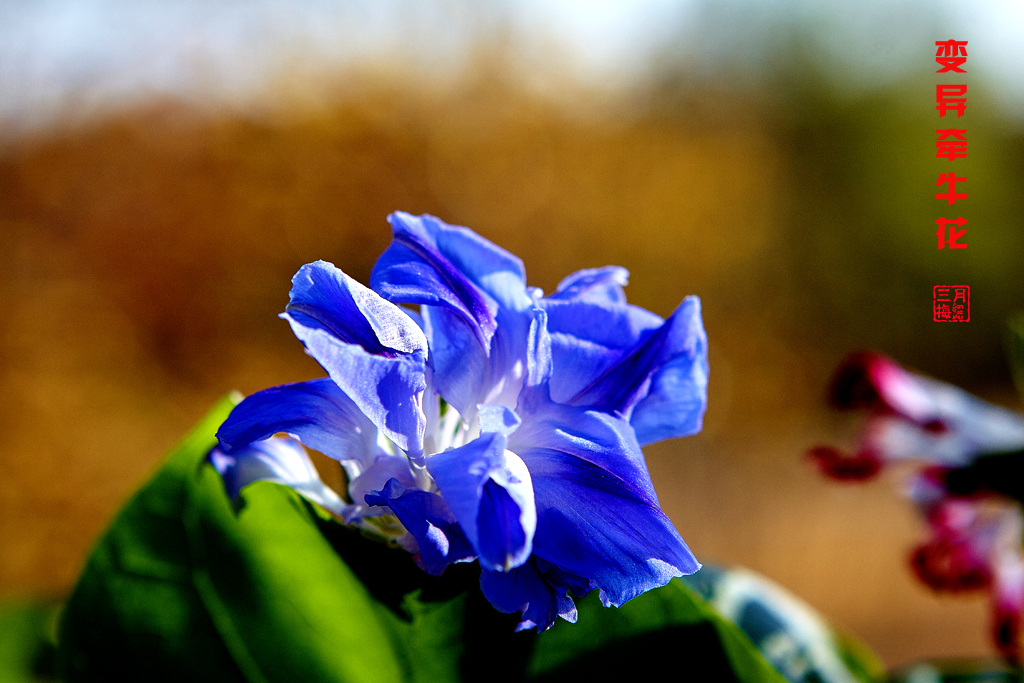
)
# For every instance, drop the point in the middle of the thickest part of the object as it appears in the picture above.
(496, 424)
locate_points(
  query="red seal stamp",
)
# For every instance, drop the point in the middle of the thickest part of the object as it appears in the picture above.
(951, 303)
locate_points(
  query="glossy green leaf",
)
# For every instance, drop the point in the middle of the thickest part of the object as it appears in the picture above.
(186, 586)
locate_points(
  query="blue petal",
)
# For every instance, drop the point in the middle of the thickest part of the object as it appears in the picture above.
(429, 520)
(539, 357)
(317, 413)
(498, 419)
(461, 366)
(597, 514)
(323, 297)
(539, 596)
(386, 389)
(588, 339)
(598, 285)
(678, 395)
(416, 270)
(277, 460)
(681, 339)
(490, 493)
(474, 297)
(372, 479)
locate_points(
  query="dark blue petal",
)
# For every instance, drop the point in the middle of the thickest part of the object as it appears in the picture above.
(603, 439)
(317, 413)
(323, 297)
(595, 524)
(597, 515)
(386, 389)
(373, 478)
(598, 285)
(588, 339)
(540, 597)
(277, 460)
(474, 297)
(678, 395)
(430, 522)
(415, 269)
(490, 493)
(625, 383)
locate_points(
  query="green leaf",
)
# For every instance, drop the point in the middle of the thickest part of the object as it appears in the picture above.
(27, 642)
(135, 611)
(668, 629)
(186, 586)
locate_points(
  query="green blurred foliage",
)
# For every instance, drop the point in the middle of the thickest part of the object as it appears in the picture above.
(28, 641)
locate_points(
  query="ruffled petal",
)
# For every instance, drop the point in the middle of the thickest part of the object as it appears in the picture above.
(426, 516)
(317, 413)
(588, 338)
(490, 491)
(388, 390)
(374, 478)
(539, 596)
(474, 295)
(678, 395)
(278, 460)
(461, 365)
(416, 270)
(680, 341)
(597, 285)
(323, 297)
(597, 514)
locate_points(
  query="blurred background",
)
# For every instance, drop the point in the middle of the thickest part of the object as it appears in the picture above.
(166, 167)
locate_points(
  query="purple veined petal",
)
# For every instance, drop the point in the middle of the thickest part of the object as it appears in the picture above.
(540, 597)
(597, 285)
(317, 413)
(594, 524)
(388, 390)
(490, 492)
(680, 340)
(474, 299)
(427, 517)
(323, 297)
(278, 460)
(464, 374)
(492, 270)
(597, 514)
(416, 270)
